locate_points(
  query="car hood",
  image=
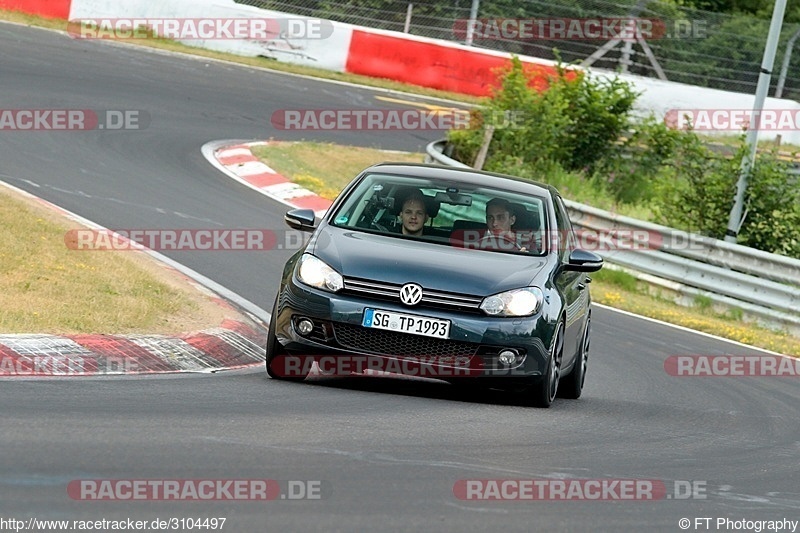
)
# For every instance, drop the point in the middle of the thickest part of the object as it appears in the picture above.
(356, 254)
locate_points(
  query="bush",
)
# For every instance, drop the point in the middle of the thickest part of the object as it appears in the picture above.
(571, 136)
(700, 196)
(772, 208)
(697, 195)
(574, 123)
(633, 167)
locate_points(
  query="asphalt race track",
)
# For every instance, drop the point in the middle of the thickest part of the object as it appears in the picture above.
(386, 453)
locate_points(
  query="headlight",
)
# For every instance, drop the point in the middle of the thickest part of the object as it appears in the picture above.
(517, 302)
(316, 273)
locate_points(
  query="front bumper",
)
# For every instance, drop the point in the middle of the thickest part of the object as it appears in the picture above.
(340, 344)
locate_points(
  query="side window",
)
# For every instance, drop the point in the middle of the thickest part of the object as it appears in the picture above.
(567, 241)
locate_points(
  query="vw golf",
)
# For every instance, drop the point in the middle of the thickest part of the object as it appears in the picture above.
(466, 276)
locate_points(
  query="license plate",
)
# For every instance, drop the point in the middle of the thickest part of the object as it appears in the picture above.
(413, 324)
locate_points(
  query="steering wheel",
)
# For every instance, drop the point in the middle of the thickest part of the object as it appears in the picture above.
(494, 238)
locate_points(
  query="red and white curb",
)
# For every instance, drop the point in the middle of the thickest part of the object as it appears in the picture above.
(230, 345)
(238, 161)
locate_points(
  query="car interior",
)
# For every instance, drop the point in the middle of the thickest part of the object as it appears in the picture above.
(452, 214)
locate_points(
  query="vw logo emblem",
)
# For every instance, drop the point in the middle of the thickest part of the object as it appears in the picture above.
(410, 294)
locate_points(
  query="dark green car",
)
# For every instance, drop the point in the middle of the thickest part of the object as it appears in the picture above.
(430, 271)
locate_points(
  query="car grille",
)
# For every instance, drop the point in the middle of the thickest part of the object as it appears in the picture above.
(430, 298)
(394, 343)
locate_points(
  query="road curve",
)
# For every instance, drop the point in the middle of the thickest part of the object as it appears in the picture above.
(387, 453)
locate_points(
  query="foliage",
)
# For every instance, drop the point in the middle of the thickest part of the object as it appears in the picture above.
(573, 123)
(571, 136)
(772, 216)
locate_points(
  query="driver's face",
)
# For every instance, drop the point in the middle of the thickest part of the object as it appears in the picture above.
(413, 217)
(498, 220)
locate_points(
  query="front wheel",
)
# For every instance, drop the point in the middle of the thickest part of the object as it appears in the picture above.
(543, 392)
(572, 385)
(276, 364)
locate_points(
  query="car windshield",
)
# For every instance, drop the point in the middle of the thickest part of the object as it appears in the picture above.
(446, 213)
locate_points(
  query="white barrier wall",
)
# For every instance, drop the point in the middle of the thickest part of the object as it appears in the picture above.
(328, 53)
(660, 97)
(456, 67)
(427, 62)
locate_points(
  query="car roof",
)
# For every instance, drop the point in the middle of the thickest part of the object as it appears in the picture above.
(465, 175)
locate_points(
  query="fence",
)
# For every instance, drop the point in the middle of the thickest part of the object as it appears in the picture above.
(702, 48)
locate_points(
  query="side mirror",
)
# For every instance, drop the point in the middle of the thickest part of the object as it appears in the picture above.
(300, 219)
(584, 261)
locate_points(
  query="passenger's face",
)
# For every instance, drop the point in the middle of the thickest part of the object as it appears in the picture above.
(499, 220)
(413, 217)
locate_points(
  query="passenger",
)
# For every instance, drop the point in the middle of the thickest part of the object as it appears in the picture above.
(413, 214)
(500, 218)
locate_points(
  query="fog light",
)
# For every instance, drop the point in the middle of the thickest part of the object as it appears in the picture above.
(304, 326)
(507, 357)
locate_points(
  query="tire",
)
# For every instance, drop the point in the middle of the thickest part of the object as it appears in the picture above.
(543, 392)
(572, 385)
(275, 350)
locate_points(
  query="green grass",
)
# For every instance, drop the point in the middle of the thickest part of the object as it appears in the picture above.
(617, 278)
(326, 168)
(47, 287)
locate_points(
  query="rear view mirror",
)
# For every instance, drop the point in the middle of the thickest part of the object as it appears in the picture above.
(453, 198)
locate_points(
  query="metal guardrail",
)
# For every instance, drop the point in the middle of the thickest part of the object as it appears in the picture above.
(761, 284)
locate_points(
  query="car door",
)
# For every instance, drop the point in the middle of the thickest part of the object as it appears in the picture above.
(571, 284)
